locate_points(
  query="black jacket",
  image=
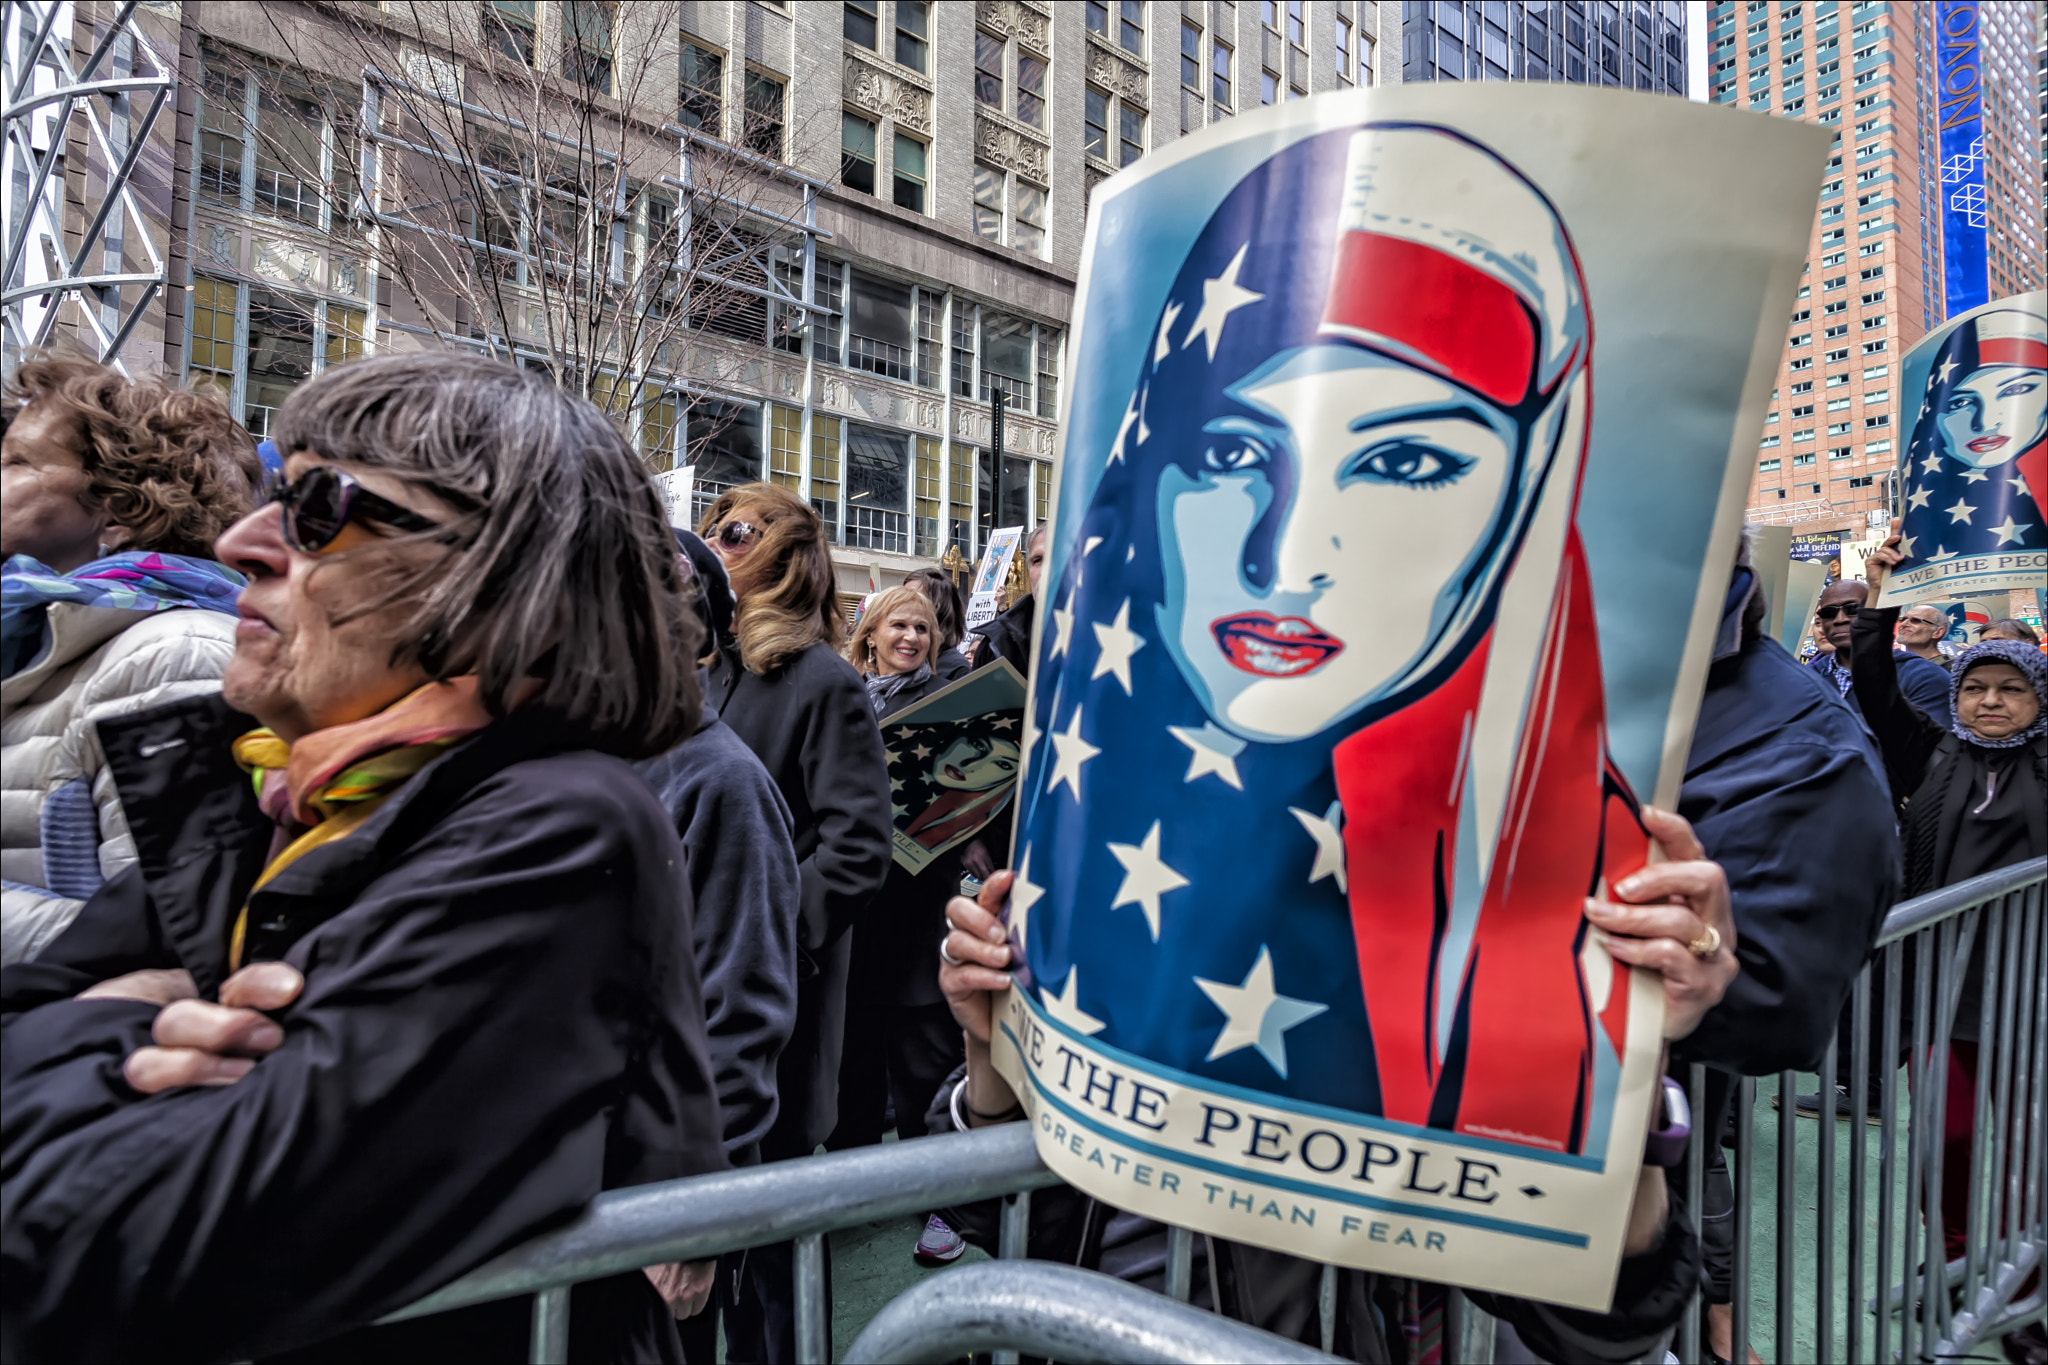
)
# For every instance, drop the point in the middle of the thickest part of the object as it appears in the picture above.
(744, 891)
(1009, 636)
(810, 725)
(1787, 793)
(501, 1018)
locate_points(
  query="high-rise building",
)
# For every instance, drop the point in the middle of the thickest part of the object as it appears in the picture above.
(909, 178)
(1633, 44)
(1873, 283)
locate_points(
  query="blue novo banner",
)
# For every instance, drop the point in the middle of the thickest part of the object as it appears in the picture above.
(1966, 283)
(1403, 471)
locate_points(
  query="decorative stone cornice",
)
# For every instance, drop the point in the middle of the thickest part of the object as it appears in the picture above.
(1012, 20)
(1010, 149)
(1118, 76)
(892, 97)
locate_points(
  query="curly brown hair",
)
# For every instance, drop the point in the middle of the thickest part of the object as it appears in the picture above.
(168, 465)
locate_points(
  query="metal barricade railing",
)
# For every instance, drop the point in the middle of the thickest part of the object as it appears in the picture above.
(1859, 1248)
(1891, 1294)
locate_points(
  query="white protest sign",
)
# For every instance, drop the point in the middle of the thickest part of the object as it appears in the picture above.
(676, 486)
(983, 598)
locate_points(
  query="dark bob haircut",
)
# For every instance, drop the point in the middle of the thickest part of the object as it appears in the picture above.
(558, 566)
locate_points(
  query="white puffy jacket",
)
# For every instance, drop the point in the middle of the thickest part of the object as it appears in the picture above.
(62, 832)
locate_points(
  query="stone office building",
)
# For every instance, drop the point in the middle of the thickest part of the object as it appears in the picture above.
(923, 170)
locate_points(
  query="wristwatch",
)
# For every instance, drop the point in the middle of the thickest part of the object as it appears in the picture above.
(1666, 1146)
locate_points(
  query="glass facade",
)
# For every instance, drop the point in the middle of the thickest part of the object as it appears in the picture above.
(1634, 44)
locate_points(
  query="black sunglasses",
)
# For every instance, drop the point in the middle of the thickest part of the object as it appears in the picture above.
(734, 534)
(1848, 610)
(323, 500)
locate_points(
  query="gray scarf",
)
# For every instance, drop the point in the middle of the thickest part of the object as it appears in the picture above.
(883, 687)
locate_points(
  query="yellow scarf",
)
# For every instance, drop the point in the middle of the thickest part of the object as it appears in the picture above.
(321, 788)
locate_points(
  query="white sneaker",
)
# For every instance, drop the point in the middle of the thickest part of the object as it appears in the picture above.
(939, 1245)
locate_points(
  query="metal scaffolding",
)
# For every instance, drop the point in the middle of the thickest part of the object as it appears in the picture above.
(108, 266)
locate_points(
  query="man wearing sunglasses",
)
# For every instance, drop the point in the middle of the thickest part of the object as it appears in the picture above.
(1925, 684)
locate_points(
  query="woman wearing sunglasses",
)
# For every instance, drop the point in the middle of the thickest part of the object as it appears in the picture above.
(403, 974)
(111, 494)
(779, 682)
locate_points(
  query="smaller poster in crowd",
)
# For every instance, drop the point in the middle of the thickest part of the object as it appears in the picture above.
(677, 487)
(984, 599)
(1973, 478)
(953, 761)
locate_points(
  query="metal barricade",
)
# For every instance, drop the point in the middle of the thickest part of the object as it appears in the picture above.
(1866, 1239)
(1848, 1213)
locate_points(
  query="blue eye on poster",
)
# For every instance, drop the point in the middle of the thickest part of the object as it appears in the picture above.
(1402, 478)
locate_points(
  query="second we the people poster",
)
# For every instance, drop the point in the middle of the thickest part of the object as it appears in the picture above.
(1402, 476)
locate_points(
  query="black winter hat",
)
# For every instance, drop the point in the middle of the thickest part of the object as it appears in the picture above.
(713, 590)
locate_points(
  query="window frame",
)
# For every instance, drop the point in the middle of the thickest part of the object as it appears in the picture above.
(328, 332)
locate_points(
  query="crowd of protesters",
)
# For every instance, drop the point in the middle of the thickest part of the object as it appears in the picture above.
(406, 847)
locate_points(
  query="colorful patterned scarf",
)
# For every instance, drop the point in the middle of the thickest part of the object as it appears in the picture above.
(130, 581)
(321, 788)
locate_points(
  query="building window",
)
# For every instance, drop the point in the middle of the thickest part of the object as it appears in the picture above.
(270, 145)
(1048, 374)
(1130, 133)
(253, 345)
(1098, 17)
(1191, 55)
(1297, 24)
(878, 327)
(1095, 122)
(908, 173)
(857, 153)
(877, 489)
(931, 338)
(1219, 76)
(1031, 89)
(1028, 201)
(509, 26)
(723, 440)
(825, 472)
(700, 81)
(785, 446)
(913, 33)
(763, 132)
(988, 202)
(988, 69)
(928, 490)
(1269, 87)
(587, 44)
(1343, 48)
(210, 355)
(992, 56)
(862, 22)
(1131, 26)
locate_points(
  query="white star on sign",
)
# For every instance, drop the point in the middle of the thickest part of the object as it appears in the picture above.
(1960, 512)
(1327, 830)
(1165, 344)
(1917, 499)
(1948, 367)
(1116, 450)
(1975, 475)
(923, 751)
(1931, 464)
(1256, 1015)
(1906, 546)
(1023, 895)
(1146, 877)
(1221, 297)
(1069, 752)
(1941, 552)
(1063, 1008)
(2009, 532)
(1088, 548)
(1062, 627)
(1118, 642)
(1210, 750)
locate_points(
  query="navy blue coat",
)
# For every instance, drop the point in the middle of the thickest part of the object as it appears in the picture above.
(744, 887)
(1787, 792)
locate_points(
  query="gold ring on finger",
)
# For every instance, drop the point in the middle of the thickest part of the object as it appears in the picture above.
(1707, 944)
